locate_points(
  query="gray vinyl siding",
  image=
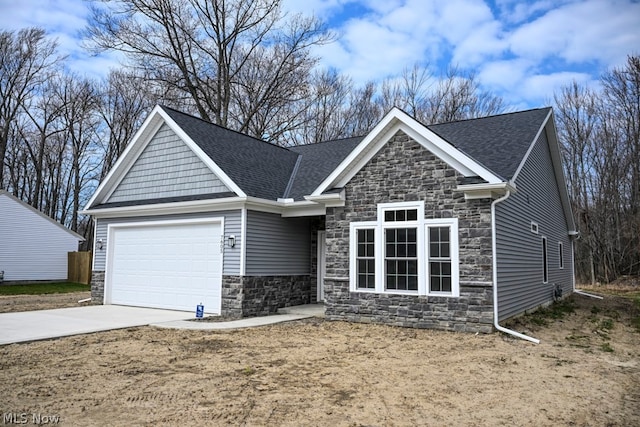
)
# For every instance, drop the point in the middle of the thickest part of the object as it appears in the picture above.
(277, 246)
(232, 225)
(166, 168)
(32, 246)
(519, 251)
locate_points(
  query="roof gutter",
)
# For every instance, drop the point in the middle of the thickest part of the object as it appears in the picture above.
(485, 190)
(328, 199)
(495, 275)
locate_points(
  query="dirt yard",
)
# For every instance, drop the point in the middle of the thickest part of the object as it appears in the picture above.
(12, 303)
(586, 372)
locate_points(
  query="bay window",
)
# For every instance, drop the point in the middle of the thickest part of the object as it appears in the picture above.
(404, 253)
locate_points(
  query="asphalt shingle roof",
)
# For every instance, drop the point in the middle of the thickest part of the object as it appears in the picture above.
(259, 168)
(499, 142)
(270, 172)
(317, 162)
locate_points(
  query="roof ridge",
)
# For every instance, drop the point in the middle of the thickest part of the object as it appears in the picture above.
(333, 140)
(488, 117)
(223, 127)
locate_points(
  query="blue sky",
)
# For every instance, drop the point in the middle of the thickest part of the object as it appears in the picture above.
(521, 50)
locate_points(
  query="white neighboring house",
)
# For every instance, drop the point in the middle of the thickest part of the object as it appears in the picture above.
(32, 245)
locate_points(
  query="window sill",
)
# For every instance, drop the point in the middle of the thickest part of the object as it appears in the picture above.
(409, 293)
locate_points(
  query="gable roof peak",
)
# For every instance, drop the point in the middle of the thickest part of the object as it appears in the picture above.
(191, 116)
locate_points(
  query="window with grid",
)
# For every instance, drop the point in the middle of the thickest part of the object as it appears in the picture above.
(398, 215)
(440, 275)
(365, 259)
(402, 252)
(401, 259)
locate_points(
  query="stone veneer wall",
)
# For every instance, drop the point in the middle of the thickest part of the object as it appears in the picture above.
(244, 296)
(256, 296)
(97, 287)
(403, 170)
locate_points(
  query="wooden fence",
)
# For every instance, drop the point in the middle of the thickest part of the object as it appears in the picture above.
(79, 267)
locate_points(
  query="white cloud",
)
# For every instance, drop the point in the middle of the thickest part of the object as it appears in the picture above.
(518, 48)
(63, 20)
(505, 75)
(594, 30)
(486, 41)
(95, 67)
(458, 19)
(368, 51)
(68, 16)
(541, 87)
(317, 7)
(518, 11)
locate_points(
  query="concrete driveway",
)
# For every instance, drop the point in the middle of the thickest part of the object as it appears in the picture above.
(62, 322)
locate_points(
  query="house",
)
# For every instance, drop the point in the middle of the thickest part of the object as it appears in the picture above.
(454, 226)
(32, 245)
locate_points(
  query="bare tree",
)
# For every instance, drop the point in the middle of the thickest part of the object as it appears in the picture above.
(241, 62)
(122, 107)
(324, 119)
(454, 96)
(363, 113)
(600, 137)
(81, 126)
(26, 56)
(458, 96)
(45, 119)
(621, 106)
(579, 122)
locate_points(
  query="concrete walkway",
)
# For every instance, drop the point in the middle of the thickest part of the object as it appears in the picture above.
(46, 324)
(284, 315)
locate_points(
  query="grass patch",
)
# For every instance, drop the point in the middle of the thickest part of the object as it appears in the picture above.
(557, 310)
(248, 371)
(606, 324)
(542, 316)
(606, 347)
(43, 288)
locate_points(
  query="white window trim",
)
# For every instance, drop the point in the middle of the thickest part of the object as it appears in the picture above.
(421, 225)
(452, 223)
(353, 253)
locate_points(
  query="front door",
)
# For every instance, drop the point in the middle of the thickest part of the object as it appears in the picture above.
(322, 255)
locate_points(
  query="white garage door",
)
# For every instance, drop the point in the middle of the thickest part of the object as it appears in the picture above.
(174, 266)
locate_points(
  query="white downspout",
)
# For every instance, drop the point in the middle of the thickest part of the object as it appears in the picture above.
(495, 275)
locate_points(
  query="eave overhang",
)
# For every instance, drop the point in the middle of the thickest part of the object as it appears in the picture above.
(328, 200)
(485, 190)
(283, 207)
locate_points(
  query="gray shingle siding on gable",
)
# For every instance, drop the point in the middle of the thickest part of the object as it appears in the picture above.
(232, 225)
(277, 246)
(166, 168)
(519, 251)
(259, 168)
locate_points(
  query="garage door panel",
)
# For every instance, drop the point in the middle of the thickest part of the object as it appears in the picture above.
(175, 266)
